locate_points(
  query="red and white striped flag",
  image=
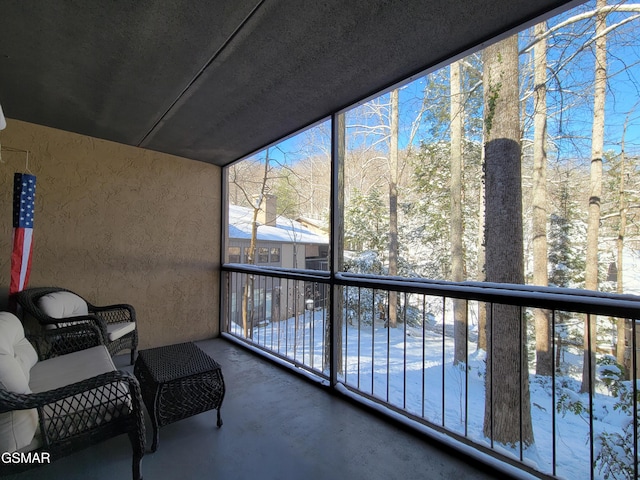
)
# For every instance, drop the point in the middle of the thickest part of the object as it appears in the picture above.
(24, 194)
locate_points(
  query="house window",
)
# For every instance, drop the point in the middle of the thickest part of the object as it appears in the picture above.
(275, 255)
(233, 254)
(263, 255)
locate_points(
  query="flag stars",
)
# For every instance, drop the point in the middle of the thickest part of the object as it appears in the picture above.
(24, 197)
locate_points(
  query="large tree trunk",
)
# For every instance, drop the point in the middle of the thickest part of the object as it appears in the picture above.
(482, 310)
(507, 418)
(544, 353)
(456, 232)
(595, 193)
(393, 206)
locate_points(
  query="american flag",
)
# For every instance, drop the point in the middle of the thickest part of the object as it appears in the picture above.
(24, 193)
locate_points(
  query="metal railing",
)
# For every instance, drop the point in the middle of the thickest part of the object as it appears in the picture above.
(563, 420)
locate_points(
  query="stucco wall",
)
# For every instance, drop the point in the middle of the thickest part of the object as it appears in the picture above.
(120, 224)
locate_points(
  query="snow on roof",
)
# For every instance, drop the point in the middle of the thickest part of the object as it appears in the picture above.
(313, 222)
(285, 230)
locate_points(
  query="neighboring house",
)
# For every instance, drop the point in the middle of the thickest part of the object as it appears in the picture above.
(316, 226)
(281, 242)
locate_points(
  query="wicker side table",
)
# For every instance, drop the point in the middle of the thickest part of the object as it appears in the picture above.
(178, 381)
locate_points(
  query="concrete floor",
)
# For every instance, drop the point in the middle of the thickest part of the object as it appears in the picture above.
(277, 425)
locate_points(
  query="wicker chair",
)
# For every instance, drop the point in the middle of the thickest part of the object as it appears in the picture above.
(53, 307)
(52, 407)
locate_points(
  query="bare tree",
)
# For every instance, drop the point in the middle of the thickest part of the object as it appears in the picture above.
(256, 201)
(379, 123)
(456, 229)
(393, 204)
(544, 354)
(623, 213)
(595, 191)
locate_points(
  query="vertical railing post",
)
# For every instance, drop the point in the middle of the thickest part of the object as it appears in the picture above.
(225, 289)
(466, 368)
(359, 333)
(225, 276)
(490, 373)
(523, 361)
(553, 394)
(591, 388)
(373, 340)
(346, 339)
(424, 350)
(634, 377)
(388, 316)
(404, 380)
(444, 360)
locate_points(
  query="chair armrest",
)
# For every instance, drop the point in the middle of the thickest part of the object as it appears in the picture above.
(73, 409)
(24, 401)
(120, 312)
(67, 339)
(79, 320)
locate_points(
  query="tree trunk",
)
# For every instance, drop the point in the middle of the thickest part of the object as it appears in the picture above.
(622, 231)
(544, 353)
(507, 418)
(456, 232)
(248, 290)
(393, 206)
(482, 308)
(595, 193)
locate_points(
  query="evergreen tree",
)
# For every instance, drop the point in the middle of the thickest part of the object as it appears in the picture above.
(566, 250)
(427, 229)
(365, 222)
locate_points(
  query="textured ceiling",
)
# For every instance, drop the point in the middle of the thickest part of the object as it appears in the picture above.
(216, 80)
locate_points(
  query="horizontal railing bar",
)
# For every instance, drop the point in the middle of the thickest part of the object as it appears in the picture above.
(551, 298)
(498, 286)
(321, 276)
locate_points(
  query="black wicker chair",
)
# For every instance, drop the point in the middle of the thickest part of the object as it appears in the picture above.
(74, 416)
(107, 318)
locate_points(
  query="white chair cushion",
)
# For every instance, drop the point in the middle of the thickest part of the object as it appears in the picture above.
(77, 414)
(73, 367)
(17, 357)
(120, 329)
(63, 305)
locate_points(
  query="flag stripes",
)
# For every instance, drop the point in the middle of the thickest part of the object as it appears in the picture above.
(24, 190)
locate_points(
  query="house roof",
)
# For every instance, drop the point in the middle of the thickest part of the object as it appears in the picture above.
(286, 230)
(215, 81)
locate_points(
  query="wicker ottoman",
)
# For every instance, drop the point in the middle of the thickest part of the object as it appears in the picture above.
(178, 381)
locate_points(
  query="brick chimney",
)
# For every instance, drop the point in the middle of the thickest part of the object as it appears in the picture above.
(267, 214)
